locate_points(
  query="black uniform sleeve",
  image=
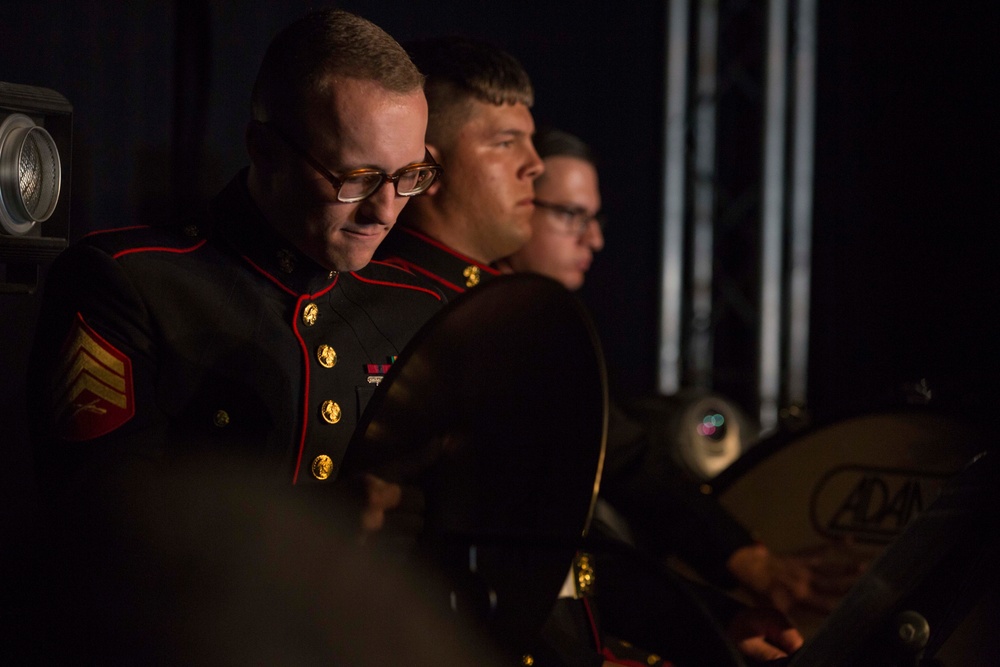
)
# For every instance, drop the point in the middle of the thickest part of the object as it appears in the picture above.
(91, 377)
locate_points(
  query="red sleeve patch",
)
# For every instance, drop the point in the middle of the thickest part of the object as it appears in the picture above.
(94, 394)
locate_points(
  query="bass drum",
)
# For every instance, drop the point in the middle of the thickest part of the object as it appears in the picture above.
(861, 480)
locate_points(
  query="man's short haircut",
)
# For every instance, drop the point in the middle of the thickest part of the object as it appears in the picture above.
(303, 58)
(459, 69)
(552, 142)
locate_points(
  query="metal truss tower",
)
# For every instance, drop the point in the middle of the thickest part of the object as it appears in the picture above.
(737, 208)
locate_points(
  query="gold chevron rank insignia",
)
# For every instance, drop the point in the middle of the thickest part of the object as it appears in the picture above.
(94, 395)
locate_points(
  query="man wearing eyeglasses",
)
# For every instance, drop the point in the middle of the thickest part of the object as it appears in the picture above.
(257, 331)
(567, 225)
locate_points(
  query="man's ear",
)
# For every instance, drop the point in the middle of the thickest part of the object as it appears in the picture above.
(436, 154)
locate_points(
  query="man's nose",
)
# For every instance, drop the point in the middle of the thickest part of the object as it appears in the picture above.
(533, 166)
(380, 206)
(593, 236)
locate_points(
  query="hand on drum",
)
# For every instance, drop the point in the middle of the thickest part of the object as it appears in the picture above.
(391, 514)
(763, 634)
(816, 579)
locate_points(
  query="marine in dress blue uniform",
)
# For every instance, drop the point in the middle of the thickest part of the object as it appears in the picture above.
(245, 341)
(214, 334)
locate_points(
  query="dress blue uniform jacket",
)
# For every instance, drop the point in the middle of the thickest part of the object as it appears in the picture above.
(214, 335)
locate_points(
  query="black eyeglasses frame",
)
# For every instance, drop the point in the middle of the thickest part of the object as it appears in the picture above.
(580, 218)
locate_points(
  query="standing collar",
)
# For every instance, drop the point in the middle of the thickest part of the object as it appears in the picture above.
(239, 223)
(433, 259)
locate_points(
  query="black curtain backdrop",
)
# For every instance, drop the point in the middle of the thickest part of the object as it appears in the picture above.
(905, 282)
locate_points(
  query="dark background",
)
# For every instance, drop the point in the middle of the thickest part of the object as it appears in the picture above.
(904, 279)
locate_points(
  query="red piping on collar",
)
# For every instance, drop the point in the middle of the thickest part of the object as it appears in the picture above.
(433, 276)
(267, 275)
(400, 285)
(451, 251)
(282, 285)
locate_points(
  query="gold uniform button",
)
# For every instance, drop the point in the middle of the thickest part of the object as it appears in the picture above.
(322, 467)
(527, 660)
(330, 411)
(584, 571)
(309, 314)
(652, 659)
(471, 274)
(327, 356)
(221, 419)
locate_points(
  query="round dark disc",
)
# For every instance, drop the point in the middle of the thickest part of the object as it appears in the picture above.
(497, 409)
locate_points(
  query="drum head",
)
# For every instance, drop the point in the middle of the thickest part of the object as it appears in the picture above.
(863, 478)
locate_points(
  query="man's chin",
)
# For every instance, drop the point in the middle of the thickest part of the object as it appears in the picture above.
(353, 260)
(517, 240)
(572, 281)
(357, 255)
(346, 265)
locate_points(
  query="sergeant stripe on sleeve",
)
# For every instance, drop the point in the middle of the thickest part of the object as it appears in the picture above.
(94, 394)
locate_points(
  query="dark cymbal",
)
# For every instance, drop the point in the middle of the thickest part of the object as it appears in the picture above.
(497, 409)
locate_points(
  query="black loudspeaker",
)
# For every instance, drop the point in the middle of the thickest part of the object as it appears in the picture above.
(35, 167)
